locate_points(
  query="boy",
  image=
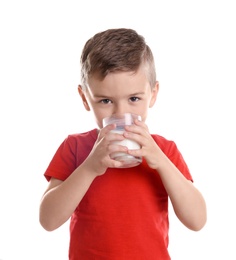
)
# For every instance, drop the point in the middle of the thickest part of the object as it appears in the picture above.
(118, 213)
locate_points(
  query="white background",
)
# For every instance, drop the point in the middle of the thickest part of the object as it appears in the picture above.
(194, 47)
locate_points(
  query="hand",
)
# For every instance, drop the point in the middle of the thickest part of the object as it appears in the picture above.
(99, 158)
(149, 149)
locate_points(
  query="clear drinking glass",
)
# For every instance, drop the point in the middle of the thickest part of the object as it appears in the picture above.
(120, 121)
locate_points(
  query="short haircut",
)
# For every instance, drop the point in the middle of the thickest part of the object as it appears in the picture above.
(116, 50)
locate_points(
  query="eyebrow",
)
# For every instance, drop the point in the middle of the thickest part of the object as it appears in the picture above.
(100, 96)
(131, 95)
(138, 93)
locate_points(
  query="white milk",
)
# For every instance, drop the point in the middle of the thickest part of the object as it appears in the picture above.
(127, 159)
(121, 121)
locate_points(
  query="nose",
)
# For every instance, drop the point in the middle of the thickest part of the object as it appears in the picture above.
(120, 109)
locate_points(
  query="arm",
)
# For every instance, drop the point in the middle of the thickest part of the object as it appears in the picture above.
(188, 203)
(62, 197)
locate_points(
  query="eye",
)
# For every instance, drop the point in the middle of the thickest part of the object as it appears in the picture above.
(134, 99)
(105, 101)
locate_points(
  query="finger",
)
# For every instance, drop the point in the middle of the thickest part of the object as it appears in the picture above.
(137, 128)
(115, 148)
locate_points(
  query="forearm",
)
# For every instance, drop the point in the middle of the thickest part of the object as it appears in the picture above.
(188, 203)
(59, 202)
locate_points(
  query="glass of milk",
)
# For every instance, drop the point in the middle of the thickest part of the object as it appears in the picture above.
(121, 121)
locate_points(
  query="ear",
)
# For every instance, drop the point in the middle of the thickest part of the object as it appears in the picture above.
(154, 94)
(83, 97)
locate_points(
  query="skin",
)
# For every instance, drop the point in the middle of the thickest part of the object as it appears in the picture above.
(118, 93)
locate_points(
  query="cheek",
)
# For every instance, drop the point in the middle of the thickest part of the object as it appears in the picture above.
(99, 122)
(98, 116)
(143, 111)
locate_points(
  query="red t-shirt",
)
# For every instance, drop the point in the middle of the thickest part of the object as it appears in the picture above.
(124, 214)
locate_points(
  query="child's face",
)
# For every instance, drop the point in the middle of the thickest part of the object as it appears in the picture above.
(118, 93)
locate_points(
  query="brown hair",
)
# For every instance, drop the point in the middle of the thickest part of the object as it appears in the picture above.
(116, 50)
